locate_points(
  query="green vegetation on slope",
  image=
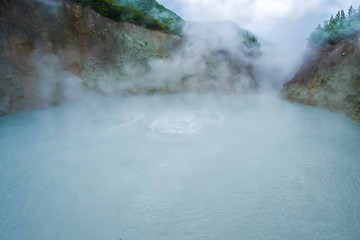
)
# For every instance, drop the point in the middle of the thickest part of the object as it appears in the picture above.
(336, 29)
(145, 13)
(152, 8)
(250, 40)
(252, 44)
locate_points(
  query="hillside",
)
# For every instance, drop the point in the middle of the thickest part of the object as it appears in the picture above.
(336, 29)
(330, 74)
(330, 78)
(152, 8)
(56, 51)
(145, 13)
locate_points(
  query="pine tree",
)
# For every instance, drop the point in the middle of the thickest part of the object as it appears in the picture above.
(337, 16)
(332, 20)
(317, 37)
(342, 16)
(351, 11)
(356, 14)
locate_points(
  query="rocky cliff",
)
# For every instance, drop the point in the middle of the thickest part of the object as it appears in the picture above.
(51, 49)
(59, 50)
(330, 78)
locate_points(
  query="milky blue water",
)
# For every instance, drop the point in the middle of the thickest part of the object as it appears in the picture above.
(180, 167)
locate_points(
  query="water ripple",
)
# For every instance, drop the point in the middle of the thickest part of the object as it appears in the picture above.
(185, 122)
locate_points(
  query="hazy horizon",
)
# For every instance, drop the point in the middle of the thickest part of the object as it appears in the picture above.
(278, 21)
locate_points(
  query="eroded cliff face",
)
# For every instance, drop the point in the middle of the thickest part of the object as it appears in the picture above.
(56, 51)
(330, 78)
(51, 50)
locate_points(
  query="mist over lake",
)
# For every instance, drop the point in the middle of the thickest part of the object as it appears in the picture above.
(179, 120)
(183, 166)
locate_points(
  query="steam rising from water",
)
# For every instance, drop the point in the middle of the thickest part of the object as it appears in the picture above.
(185, 122)
(180, 167)
(211, 58)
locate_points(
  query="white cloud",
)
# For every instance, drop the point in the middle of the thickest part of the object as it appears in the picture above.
(267, 18)
(249, 10)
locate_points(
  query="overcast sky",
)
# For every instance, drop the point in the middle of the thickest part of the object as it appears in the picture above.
(275, 20)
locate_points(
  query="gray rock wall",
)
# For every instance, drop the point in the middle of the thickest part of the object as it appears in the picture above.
(52, 51)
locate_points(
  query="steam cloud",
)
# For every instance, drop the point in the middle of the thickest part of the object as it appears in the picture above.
(212, 58)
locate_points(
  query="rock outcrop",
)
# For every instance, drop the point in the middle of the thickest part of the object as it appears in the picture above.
(50, 49)
(330, 78)
(56, 51)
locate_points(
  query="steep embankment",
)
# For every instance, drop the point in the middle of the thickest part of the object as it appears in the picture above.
(57, 51)
(330, 78)
(51, 49)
